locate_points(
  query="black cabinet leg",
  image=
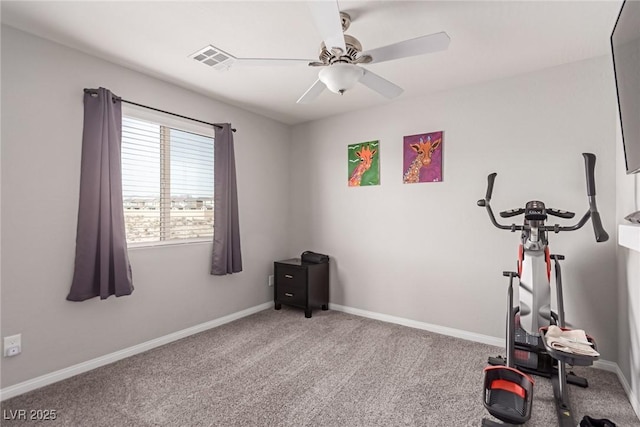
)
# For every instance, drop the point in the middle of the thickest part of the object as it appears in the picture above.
(277, 306)
(325, 306)
(307, 313)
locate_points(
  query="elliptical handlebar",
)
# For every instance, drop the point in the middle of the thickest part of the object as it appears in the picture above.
(486, 204)
(490, 180)
(599, 231)
(589, 166)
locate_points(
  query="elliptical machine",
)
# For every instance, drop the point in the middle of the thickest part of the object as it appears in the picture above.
(508, 389)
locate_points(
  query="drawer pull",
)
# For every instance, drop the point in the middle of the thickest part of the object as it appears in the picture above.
(288, 276)
(287, 294)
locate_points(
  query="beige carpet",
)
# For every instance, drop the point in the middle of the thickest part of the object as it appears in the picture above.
(276, 368)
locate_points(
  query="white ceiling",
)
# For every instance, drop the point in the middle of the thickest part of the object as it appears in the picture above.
(489, 40)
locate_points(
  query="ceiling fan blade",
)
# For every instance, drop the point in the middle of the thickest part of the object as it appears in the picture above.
(326, 16)
(270, 62)
(382, 86)
(418, 46)
(311, 93)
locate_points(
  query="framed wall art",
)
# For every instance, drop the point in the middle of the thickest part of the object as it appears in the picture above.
(423, 158)
(364, 164)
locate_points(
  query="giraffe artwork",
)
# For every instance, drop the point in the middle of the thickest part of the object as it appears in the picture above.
(423, 158)
(364, 164)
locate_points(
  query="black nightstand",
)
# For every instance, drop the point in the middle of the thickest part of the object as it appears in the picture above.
(301, 284)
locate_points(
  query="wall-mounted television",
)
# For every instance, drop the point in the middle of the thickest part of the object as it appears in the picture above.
(625, 47)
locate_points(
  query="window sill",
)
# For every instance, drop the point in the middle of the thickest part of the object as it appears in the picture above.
(147, 245)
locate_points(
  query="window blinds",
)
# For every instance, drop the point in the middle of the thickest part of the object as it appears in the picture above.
(167, 183)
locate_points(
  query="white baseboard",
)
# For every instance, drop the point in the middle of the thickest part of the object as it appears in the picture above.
(634, 399)
(605, 365)
(62, 374)
(443, 330)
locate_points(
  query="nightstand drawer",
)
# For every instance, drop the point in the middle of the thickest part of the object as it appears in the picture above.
(291, 277)
(292, 295)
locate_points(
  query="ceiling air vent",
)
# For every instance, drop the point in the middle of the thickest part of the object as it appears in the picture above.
(214, 57)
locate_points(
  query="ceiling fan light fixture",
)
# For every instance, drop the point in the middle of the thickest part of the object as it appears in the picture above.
(340, 77)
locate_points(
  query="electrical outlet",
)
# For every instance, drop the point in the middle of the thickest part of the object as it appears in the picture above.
(13, 345)
(271, 280)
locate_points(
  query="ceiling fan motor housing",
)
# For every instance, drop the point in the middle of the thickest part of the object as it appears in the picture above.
(329, 56)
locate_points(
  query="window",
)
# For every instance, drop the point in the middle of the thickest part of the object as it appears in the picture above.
(167, 183)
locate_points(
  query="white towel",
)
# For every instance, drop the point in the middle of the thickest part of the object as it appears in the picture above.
(572, 341)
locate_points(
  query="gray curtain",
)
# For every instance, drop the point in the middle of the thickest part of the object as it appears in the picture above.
(102, 265)
(226, 257)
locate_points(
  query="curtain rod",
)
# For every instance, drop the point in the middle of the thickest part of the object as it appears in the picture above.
(159, 110)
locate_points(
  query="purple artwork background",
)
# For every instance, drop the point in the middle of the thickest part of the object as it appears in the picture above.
(433, 172)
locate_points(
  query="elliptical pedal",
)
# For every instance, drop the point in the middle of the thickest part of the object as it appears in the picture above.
(508, 395)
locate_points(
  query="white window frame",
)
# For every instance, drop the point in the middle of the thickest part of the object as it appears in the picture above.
(163, 119)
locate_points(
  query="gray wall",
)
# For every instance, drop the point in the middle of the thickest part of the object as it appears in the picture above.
(426, 252)
(42, 115)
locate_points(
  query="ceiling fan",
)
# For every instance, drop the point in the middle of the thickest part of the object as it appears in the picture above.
(341, 54)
